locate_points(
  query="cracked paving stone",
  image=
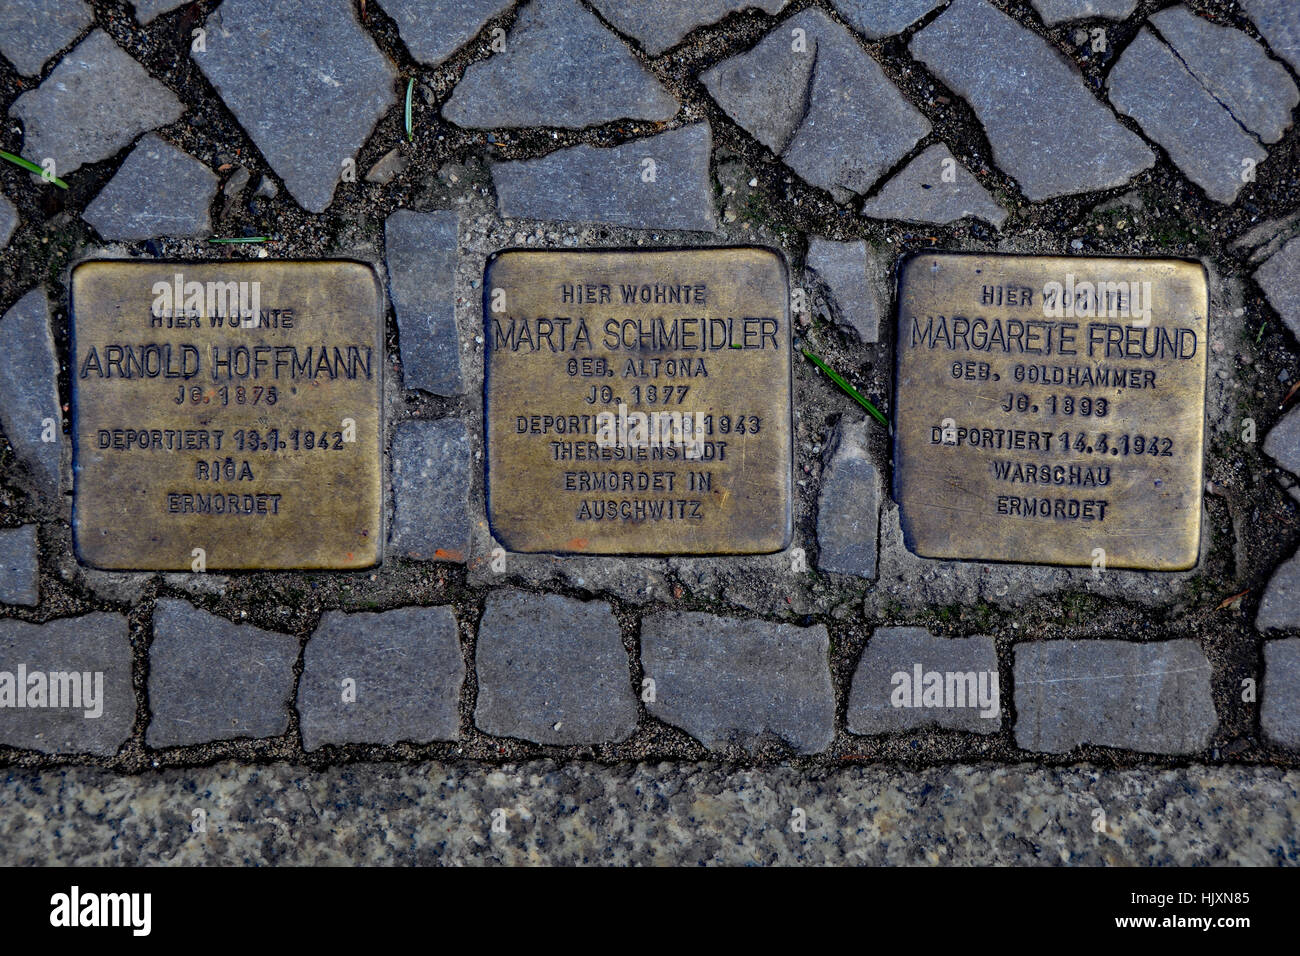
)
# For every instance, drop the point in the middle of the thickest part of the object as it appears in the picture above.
(848, 507)
(875, 19)
(1280, 607)
(1152, 85)
(406, 670)
(1255, 89)
(920, 193)
(1278, 22)
(306, 83)
(825, 109)
(158, 191)
(881, 701)
(96, 101)
(1020, 87)
(844, 268)
(560, 68)
(1152, 698)
(595, 184)
(661, 24)
(95, 648)
(420, 250)
(435, 29)
(552, 670)
(431, 465)
(8, 221)
(1059, 11)
(1279, 277)
(19, 566)
(32, 31)
(1279, 711)
(1282, 443)
(146, 11)
(731, 682)
(245, 675)
(29, 388)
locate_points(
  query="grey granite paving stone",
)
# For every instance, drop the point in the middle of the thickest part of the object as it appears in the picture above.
(1152, 85)
(146, 11)
(96, 101)
(435, 29)
(561, 67)
(552, 670)
(1280, 606)
(651, 814)
(1021, 88)
(158, 191)
(1279, 711)
(843, 267)
(1282, 443)
(826, 109)
(1279, 277)
(431, 462)
(19, 566)
(908, 678)
(594, 184)
(406, 671)
(305, 82)
(32, 31)
(8, 220)
(883, 18)
(1153, 698)
(1059, 11)
(848, 506)
(420, 250)
(211, 679)
(660, 24)
(1238, 73)
(920, 193)
(74, 677)
(731, 682)
(1278, 22)
(29, 388)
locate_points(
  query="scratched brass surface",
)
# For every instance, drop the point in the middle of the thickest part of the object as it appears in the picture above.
(1051, 411)
(716, 346)
(191, 434)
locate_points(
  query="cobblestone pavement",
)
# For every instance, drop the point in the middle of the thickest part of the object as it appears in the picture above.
(843, 133)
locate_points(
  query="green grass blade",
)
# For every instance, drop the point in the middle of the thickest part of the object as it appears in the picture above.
(240, 239)
(410, 123)
(852, 392)
(31, 167)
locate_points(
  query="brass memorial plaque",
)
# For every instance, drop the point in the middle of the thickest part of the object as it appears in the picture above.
(1051, 410)
(638, 402)
(227, 415)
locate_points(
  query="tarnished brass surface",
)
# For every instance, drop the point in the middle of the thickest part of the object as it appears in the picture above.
(240, 448)
(707, 334)
(1047, 411)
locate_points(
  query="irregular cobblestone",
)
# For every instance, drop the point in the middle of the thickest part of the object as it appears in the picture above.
(29, 388)
(8, 221)
(660, 24)
(32, 31)
(1279, 711)
(1279, 608)
(96, 715)
(1279, 277)
(1282, 443)
(908, 678)
(158, 191)
(19, 566)
(305, 82)
(146, 11)
(1016, 83)
(430, 491)
(730, 682)
(210, 679)
(936, 188)
(1278, 22)
(435, 29)
(420, 249)
(1059, 11)
(552, 670)
(843, 266)
(405, 669)
(875, 19)
(561, 67)
(1153, 698)
(848, 508)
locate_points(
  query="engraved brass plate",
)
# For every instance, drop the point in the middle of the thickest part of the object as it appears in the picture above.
(1050, 410)
(590, 355)
(227, 415)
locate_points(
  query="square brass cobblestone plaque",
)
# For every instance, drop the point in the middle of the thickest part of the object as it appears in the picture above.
(638, 402)
(227, 415)
(1050, 410)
